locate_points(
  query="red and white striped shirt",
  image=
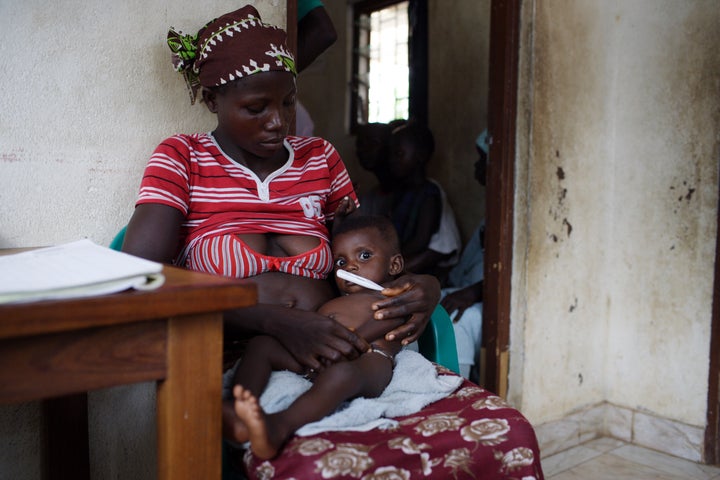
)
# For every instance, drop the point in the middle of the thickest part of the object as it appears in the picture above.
(219, 196)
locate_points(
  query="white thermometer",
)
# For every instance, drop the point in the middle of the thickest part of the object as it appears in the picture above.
(358, 280)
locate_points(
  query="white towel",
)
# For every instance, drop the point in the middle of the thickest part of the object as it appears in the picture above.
(415, 384)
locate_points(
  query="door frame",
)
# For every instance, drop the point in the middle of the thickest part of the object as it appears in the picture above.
(712, 424)
(502, 113)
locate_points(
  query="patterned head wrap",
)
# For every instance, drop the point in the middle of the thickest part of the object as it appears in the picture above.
(233, 46)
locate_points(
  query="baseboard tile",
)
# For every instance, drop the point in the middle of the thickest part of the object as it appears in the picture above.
(631, 426)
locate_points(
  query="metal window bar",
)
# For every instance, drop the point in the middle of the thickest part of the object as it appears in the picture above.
(381, 82)
(388, 93)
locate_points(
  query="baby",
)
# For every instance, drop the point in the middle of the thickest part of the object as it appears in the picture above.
(367, 246)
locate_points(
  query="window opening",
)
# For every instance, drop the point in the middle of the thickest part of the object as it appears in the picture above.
(381, 83)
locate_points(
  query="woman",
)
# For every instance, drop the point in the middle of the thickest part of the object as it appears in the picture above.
(248, 201)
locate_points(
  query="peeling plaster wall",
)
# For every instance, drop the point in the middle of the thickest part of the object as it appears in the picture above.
(89, 93)
(620, 114)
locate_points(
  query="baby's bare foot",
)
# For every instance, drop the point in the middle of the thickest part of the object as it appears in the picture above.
(233, 428)
(248, 410)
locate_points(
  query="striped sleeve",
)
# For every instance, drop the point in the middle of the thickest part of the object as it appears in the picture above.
(340, 184)
(166, 178)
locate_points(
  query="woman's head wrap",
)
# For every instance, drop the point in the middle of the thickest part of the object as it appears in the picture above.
(233, 46)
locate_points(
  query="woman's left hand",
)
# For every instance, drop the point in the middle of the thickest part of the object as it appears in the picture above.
(411, 294)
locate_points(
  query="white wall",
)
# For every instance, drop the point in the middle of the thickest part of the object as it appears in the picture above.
(89, 92)
(616, 210)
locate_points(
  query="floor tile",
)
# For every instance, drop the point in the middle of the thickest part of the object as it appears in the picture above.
(667, 463)
(568, 459)
(608, 458)
(609, 466)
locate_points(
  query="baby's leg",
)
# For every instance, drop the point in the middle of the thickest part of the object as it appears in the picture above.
(366, 376)
(248, 410)
(262, 355)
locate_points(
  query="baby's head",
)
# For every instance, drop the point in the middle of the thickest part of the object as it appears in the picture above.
(366, 245)
(234, 46)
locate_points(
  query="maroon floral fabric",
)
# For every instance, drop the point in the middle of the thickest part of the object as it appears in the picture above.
(470, 434)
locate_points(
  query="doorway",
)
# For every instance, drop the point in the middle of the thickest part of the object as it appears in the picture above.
(324, 84)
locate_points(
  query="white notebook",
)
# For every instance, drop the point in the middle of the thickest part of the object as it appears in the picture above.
(76, 269)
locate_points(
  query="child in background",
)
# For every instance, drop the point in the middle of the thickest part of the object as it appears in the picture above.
(420, 211)
(364, 245)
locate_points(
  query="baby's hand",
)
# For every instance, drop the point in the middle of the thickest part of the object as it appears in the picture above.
(345, 208)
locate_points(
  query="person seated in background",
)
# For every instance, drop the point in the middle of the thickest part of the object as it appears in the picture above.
(372, 147)
(463, 293)
(419, 208)
(315, 34)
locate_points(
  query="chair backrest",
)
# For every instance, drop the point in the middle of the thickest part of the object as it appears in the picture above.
(437, 342)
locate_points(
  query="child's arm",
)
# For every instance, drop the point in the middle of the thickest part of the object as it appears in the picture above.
(355, 312)
(374, 330)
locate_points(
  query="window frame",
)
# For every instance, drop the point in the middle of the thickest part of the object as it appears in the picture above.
(417, 58)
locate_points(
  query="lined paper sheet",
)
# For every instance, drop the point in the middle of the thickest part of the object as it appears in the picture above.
(75, 269)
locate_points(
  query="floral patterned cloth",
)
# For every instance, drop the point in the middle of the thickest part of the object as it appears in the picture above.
(470, 434)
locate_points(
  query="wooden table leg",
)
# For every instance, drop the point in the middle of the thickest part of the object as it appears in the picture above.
(189, 400)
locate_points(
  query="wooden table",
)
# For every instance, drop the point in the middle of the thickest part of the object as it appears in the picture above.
(173, 334)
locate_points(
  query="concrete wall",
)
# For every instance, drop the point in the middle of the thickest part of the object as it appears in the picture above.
(616, 213)
(89, 93)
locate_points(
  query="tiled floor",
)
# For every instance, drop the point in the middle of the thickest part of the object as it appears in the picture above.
(607, 458)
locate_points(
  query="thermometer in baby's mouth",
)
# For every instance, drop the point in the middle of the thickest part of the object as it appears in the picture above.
(358, 280)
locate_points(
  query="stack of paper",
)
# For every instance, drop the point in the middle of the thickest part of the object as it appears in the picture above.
(76, 269)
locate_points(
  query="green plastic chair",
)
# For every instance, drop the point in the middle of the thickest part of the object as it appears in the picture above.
(117, 242)
(437, 343)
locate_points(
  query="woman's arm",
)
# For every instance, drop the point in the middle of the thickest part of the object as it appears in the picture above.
(316, 33)
(463, 298)
(153, 232)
